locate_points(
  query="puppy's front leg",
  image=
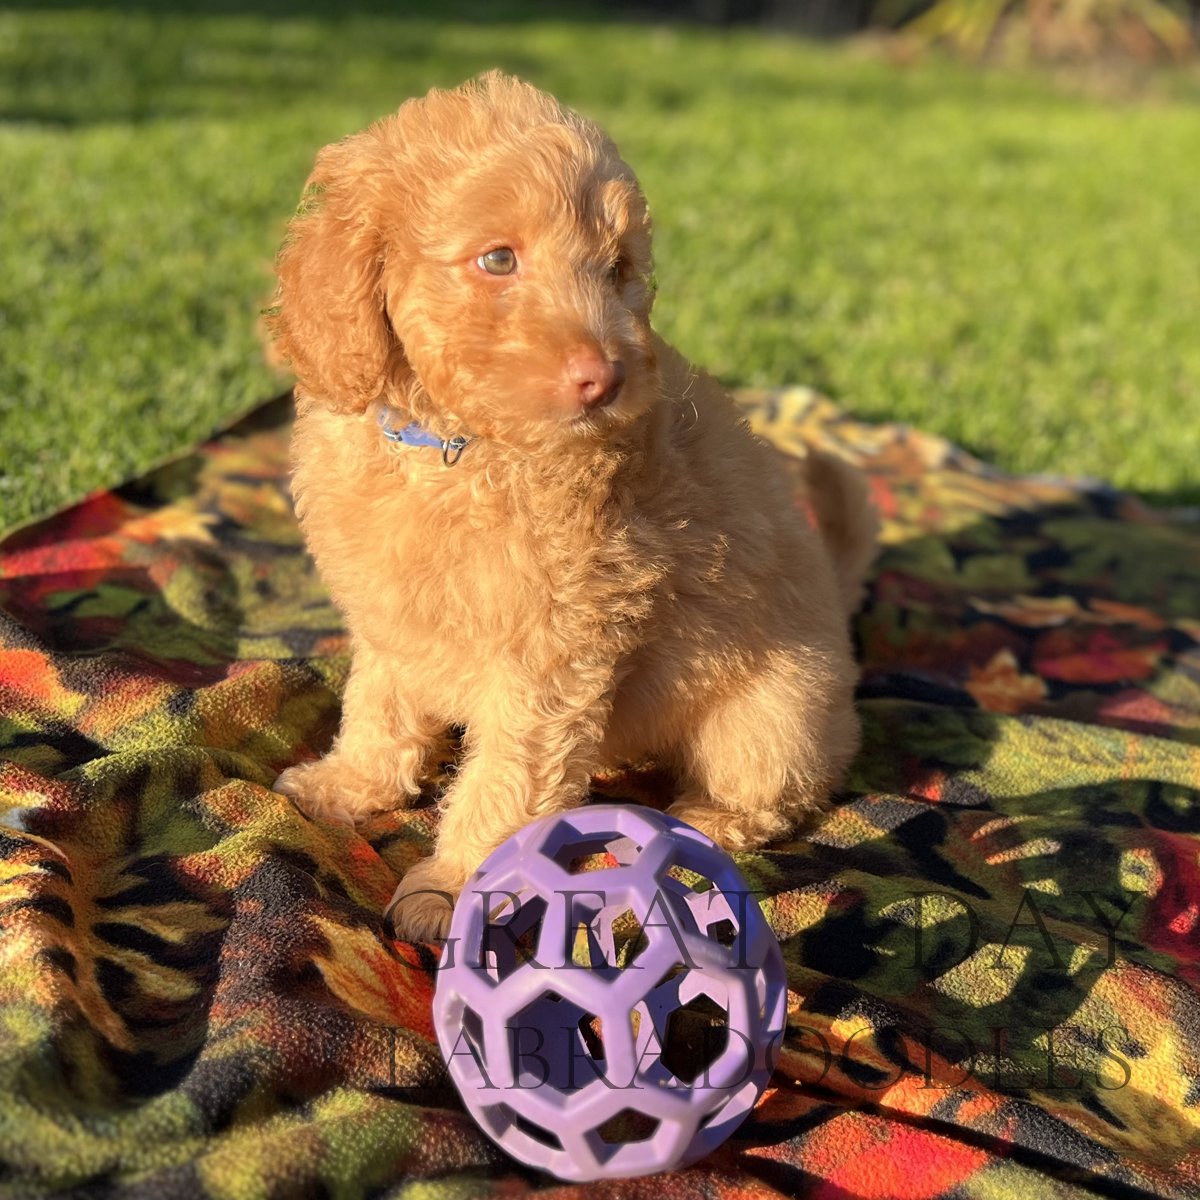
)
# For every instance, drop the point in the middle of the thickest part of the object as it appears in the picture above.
(380, 754)
(521, 764)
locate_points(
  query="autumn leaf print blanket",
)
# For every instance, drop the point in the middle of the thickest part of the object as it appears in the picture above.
(992, 940)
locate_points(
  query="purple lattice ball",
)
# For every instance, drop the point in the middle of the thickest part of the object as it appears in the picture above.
(611, 997)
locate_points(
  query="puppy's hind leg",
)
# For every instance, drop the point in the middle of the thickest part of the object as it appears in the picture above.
(762, 757)
(380, 754)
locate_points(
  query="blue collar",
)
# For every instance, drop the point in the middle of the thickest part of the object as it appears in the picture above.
(413, 435)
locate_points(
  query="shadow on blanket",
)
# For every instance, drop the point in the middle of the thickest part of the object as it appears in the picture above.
(992, 940)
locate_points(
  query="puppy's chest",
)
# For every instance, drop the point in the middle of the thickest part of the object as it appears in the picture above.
(559, 577)
(588, 577)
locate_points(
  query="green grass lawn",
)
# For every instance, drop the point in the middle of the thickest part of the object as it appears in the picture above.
(1002, 258)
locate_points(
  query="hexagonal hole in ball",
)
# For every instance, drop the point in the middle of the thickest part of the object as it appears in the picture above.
(707, 903)
(696, 1036)
(509, 944)
(555, 1043)
(626, 1127)
(500, 1116)
(579, 854)
(607, 940)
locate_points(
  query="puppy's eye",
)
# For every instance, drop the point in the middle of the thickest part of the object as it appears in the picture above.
(501, 261)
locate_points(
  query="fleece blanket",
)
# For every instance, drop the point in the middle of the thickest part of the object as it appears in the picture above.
(992, 940)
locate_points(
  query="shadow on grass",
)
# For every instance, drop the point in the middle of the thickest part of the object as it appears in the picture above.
(482, 11)
(70, 65)
(1184, 500)
(77, 66)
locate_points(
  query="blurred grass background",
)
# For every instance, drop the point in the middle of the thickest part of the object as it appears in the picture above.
(1010, 257)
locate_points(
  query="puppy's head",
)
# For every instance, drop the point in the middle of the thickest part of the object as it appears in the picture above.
(479, 260)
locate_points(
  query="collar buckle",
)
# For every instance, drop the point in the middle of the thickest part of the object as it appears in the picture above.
(452, 450)
(413, 435)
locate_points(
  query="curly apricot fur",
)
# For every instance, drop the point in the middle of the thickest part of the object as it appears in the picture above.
(587, 586)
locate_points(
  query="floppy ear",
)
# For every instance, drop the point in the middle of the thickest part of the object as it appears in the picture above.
(328, 316)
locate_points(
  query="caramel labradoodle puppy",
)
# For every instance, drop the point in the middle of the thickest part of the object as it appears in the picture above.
(539, 520)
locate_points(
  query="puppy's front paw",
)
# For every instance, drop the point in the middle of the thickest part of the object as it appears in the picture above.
(422, 905)
(333, 791)
(731, 831)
